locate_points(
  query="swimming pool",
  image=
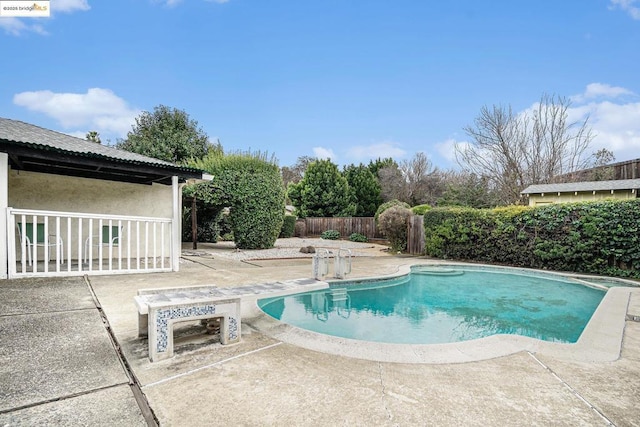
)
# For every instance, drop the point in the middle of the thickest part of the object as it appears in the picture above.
(435, 305)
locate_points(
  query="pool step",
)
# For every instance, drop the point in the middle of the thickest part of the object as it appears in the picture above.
(438, 272)
(338, 295)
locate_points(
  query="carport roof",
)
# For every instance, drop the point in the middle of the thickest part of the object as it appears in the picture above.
(36, 149)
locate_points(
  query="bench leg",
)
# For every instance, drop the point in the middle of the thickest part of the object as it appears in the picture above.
(160, 322)
(224, 330)
(143, 325)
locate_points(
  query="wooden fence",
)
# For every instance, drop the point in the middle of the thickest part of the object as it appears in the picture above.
(363, 225)
(415, 235)
(345, 225)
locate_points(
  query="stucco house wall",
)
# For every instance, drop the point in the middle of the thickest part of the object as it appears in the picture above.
(33, 190)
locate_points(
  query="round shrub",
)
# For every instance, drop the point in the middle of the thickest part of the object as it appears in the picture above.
(393, 224)
(300, 229)
(330, 235)
(386, 205)
(357, 237)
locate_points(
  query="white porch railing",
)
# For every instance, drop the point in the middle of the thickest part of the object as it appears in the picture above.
(48, 243)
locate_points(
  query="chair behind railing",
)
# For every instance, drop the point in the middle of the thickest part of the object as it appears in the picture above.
(111, 237)
(87, 243)
(41, 238)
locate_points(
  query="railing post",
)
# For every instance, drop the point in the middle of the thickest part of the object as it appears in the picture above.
(11, 245)
(5, 249)
(175, 246)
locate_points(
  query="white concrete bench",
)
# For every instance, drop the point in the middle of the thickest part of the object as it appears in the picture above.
(160, 309)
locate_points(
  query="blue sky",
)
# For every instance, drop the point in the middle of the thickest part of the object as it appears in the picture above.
(350, 80)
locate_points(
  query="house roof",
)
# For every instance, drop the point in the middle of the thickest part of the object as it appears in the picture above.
(621, 184)
(37, 149)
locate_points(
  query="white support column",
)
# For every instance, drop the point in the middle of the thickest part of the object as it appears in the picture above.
(176, 245)
(4, 204)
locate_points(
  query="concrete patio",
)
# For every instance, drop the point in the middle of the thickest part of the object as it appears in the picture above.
(60, 363)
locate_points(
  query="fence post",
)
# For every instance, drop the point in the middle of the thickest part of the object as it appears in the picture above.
(415, 235)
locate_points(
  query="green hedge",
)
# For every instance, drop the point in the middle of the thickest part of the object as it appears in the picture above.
(420, 209)
(288, 226)
(594, 237)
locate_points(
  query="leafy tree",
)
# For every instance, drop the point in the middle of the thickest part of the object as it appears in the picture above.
(365, 189)
(376, 165)
(168, 134)
(517, 150)
(93, 136)
(251, 186)
(323, 192)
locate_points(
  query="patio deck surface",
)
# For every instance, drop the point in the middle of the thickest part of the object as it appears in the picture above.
(57, 365)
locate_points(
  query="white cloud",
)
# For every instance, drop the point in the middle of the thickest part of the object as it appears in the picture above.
(615, 122)
(628, 6)
(447, 149)
(324, 153)
(78, 134)
(616, 126)
(15, 27)
(69, 6)
(373, 151)
(171, 3)
(601, 90)
(98, 109)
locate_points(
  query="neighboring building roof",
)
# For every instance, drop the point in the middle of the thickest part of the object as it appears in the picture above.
(622, 184)
(37, 149)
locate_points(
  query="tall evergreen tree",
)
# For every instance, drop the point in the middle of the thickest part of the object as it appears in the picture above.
(365, 189)
(323, 192)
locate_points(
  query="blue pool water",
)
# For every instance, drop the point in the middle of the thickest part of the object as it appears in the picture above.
(438, 305)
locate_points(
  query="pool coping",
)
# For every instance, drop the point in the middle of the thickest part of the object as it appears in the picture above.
(601, 340)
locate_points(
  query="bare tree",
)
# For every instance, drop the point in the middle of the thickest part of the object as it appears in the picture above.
(423, 180)
(414, 181)
(392, 183)
(600, 171)
(533, 147)
(295, 173)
